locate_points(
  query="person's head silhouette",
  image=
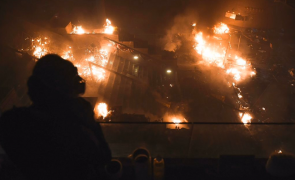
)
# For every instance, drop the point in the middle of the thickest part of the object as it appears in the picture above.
(54, 78)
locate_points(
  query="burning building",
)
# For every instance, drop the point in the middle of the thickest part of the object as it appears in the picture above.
(118, 68)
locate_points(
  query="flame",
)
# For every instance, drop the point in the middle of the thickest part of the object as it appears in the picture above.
(39, 52)
(98, 73)
(245, 118)
(108, 28)
(78, 30)
(239, 95)
(210, 53)
(235, 72)
(176, 120)
(221, 28)
(214, 53)
(240, 61)
(101, 109)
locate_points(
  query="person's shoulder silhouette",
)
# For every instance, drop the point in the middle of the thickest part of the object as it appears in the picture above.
(56, 137)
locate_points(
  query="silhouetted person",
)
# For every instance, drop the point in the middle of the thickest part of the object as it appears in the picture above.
(56, 137)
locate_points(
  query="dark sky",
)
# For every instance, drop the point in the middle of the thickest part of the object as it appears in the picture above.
(150, 16)
(134, 16)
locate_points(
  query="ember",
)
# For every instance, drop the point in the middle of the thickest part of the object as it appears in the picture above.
(40, 47)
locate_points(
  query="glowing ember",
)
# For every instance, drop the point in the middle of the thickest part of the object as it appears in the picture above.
(108, 28)
(245, 118)
(239, 95)
(221, 28)
(280, 152)
(68, 55)
(78, 30)
(101, 109)
(39, 47)
(39, 52)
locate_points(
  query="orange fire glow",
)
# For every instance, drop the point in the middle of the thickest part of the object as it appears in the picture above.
(211, 54)
(68, 54)
(221, 28)
(214, 53)
(100, 58)
(78, 30)
(108, 28)
(98, 73)
(176, 120)
(101, 109)
(245, 118)
(39, 46)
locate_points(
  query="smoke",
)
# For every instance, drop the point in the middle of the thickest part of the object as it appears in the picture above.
(180, 31)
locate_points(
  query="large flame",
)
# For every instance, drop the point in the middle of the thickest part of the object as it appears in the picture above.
(210, 53)
(176, 120)
(101, 109)
(214, 53)
(245, 118)
(78, 30)
(221, 28)
(108, 28)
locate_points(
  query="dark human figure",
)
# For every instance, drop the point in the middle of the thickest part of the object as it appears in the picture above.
(57, 136)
